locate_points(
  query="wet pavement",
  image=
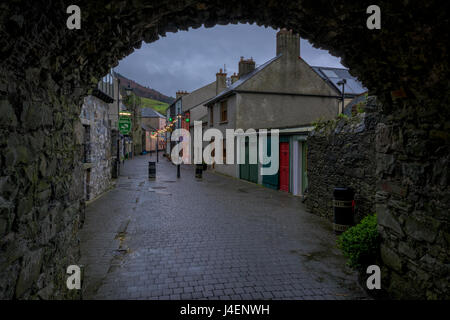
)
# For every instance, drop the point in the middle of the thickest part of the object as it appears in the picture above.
(219, 238)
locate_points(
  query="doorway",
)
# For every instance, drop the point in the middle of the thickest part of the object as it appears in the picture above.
(299, 170)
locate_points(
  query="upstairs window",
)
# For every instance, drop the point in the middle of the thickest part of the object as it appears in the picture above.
(223, 111)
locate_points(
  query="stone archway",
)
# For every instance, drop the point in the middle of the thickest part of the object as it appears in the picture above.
(46, 69)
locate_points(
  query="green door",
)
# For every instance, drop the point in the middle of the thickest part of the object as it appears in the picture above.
(248, 171)
(270, 181)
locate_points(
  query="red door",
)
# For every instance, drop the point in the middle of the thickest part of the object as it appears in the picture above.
(284, 166)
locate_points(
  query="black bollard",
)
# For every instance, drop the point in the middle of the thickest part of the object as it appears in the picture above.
(152, 170)
(198, 171)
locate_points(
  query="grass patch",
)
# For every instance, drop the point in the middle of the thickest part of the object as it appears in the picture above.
(156, 105)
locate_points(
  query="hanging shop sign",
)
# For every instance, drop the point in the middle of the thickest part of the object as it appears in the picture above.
(124, 124)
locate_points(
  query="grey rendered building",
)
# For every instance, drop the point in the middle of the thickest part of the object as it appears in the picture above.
(284, 93)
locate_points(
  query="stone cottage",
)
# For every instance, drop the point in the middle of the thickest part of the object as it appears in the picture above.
(97, 142)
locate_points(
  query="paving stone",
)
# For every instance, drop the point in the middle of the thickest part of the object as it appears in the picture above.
(179, 248)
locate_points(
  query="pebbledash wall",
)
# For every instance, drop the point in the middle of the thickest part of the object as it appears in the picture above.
(98, 165)
(341, 153)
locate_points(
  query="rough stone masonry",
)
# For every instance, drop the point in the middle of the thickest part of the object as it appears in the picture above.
(341, 153)
(46, 70)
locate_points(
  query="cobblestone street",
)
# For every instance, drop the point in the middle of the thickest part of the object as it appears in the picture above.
(219, 238)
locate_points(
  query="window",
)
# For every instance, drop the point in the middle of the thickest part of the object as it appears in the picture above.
(330, 73)
(223, 111)
(211, 116)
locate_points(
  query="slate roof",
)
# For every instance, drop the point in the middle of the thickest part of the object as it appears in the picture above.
(199, 96)
(333, 75)
(150, 113)
(242, 80)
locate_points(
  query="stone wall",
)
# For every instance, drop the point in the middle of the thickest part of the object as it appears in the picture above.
(413, 199)
(341, 152)
(94, 113)
(41, 205)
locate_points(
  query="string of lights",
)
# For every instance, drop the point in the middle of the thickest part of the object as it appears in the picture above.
(169, 126)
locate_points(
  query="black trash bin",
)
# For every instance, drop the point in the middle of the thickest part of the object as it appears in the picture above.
(151, 169)
(343, 204)
(198, 171)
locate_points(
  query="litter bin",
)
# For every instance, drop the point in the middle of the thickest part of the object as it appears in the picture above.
(151, 170)
(198, 171)
(343, 205)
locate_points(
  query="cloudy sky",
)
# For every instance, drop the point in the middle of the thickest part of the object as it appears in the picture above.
(188, 60)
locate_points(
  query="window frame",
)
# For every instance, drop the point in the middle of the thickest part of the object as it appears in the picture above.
(224, 110)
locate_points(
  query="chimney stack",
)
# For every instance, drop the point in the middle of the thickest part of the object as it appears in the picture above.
(234, 78)
(288, 43)
(221, 81)
(246, 66)
(181, 93)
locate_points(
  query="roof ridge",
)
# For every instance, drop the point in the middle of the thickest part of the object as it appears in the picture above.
(244, 78)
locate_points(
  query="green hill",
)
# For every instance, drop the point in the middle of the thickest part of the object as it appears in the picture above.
(156, 105)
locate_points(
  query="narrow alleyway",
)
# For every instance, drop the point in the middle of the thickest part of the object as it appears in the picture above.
(220, 238)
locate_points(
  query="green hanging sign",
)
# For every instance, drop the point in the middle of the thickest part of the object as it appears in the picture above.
(124, 124)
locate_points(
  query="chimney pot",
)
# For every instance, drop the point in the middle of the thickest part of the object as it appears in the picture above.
(246, 66)
(221, 81)
(234, 78)
(288, 43)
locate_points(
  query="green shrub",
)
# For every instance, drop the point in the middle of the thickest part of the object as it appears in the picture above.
(360, 243)
(319, 122)
(342, 116)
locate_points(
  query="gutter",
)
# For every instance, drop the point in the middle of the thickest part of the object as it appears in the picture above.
(288, 94)
(272, 93)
